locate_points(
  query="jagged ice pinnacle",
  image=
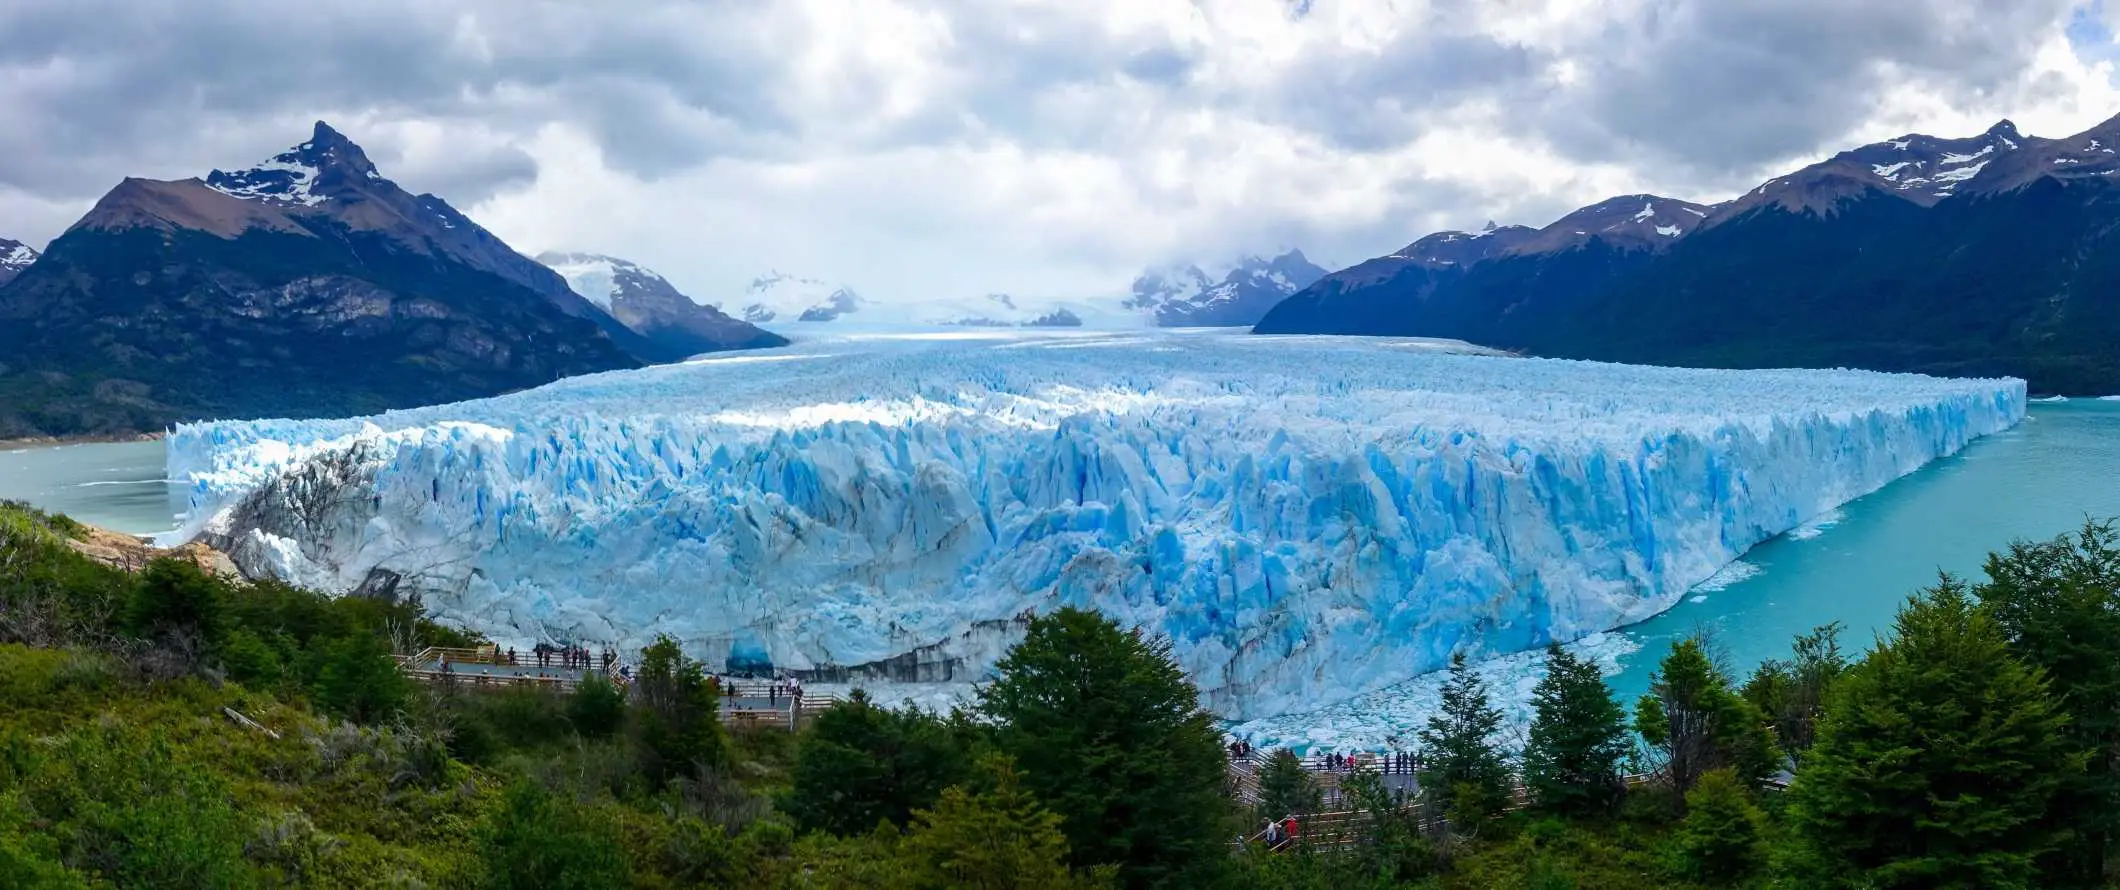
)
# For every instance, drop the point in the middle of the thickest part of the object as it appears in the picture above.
(1306, 518)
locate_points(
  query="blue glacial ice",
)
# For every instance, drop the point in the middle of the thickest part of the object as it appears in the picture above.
(1305, 518)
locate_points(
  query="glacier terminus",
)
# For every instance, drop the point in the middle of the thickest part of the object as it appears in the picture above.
(1304, 518)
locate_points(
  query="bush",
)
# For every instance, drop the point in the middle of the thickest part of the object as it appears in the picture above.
(1718, 842)
(533, 842)
(597, 708)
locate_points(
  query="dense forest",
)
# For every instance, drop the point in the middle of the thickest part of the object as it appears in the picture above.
(171, 728)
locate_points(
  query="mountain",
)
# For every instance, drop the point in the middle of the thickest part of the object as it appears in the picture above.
(1377, 296)
(1995, 254)
(648, 305)
(1186, 297)
(15, 256)
(780, 297)
(308, 285)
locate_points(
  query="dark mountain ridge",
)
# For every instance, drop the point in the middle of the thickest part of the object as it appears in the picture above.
(307, 286)
(1990, 255)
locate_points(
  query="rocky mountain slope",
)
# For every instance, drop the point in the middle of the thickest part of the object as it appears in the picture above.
(308, 285)
(649, 305)
(15, 256)
(1990, 254)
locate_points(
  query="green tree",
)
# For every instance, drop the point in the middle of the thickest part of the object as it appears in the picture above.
(1460, 761)
(1719, 841)
(1792, 694)
(858, 764)
(175, 599)
(674, 721)
(597, 707)
(1698, 723)
(2058, 605)
(1578, 735)
(358, 681)
(996, 839)
(1286, 787)
(1110, 735)
(1937, 763)
(530, 843)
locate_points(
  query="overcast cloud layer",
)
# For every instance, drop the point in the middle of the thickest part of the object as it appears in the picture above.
(916, 148)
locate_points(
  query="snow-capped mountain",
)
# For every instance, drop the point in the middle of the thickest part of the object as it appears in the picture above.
(1974, 255)
(1455, 248)
(15, 256)
(1627, 222)
(1920, 168)
(1186, 296)
(650, 305)
(780, 297)
(308, 285)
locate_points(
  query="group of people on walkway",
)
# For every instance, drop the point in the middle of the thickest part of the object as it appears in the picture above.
(569, 657)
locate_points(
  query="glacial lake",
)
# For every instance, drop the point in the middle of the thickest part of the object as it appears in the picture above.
(1854, 566)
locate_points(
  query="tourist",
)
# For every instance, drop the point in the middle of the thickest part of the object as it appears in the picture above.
(1273, 834)
(1288, 828)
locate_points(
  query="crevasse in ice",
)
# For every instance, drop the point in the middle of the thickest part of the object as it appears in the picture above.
(1303, 518)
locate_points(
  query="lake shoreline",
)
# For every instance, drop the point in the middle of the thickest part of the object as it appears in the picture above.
(84, 439)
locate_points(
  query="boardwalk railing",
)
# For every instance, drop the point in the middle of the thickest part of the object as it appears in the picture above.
(491, 668)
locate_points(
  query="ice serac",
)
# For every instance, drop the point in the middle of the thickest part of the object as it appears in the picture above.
(1305, 518)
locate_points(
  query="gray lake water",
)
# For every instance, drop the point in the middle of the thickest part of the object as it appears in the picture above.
(118, 486)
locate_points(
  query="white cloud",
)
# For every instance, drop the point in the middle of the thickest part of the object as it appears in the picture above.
(953, 147)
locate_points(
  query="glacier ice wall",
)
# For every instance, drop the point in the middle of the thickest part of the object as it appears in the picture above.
(1305, 518)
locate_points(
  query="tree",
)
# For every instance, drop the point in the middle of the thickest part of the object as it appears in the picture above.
(1110, 735)
(1792, 694)
(358, 681)
(1286, 787)
(1578, 735)
(674, 723)
(1461, 763)
(2058, 606)
(1938, 760)
(858, 765)
(176, 599)
(1698, 723)
(596, 708)
(1718, 842)
(996, 839)
(529, 844)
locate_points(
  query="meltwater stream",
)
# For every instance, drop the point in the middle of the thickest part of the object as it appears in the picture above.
(2036, 481)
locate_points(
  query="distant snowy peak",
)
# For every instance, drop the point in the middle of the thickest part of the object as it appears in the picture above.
(1917, 167)
(602, 279)
(15, 256)
(777, 296)
(649, 305)
(326, 166)
(1185, 296)
(2090, 154)
(1627, 222)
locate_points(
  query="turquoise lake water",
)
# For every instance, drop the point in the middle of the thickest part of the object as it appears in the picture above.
(2036, 481)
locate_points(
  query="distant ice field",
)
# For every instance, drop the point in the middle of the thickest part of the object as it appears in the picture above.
(1305, 519)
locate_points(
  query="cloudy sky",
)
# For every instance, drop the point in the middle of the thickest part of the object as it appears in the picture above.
(917, 148)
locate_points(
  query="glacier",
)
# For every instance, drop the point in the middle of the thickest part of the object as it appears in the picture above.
(1305, 519)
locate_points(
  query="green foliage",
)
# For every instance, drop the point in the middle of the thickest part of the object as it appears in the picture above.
(1698, 723)
(1937, 762)
(1792, 694)
(1578, 735)
(860, 764)
(597, 708)
(2058, 606)
(1286, 787)
(122, 806)
(1460, 760)
(357, 680)
(1719, 841)
(1110, 735)
(674, 705)
(176, 599)
(536, 842)
(996, 839)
